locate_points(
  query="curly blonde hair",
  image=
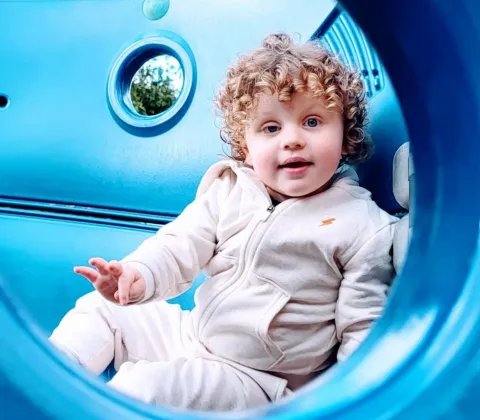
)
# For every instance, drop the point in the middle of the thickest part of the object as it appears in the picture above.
(282, 66)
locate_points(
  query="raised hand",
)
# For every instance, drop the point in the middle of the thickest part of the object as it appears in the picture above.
(117, 283)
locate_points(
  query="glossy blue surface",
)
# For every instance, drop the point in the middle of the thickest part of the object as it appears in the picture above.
(422, 361)
(64, 145)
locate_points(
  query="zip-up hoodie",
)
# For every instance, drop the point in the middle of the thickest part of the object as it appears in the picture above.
(287, 285)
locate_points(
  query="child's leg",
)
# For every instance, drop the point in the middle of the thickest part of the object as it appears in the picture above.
(197, 384)
(96, 332)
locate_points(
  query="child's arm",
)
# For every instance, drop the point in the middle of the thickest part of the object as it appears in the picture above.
(170, 260)
(363, 291)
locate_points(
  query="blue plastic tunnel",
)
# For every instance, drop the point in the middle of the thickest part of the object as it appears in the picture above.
(422, 360)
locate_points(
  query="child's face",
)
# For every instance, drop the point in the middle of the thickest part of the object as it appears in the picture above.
(294, 147)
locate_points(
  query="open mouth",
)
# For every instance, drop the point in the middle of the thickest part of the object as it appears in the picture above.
(294, 165)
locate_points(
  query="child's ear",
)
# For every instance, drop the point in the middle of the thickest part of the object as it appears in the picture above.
(248, 159)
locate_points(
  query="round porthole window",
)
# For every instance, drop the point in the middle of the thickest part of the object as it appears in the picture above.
(151, 84)
(156, 86)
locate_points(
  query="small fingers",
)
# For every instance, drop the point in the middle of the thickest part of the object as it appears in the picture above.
(100, 264)
(115, 268)
(89, 273)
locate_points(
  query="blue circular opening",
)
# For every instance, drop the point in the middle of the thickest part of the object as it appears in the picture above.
(4, 101)
(124, 70)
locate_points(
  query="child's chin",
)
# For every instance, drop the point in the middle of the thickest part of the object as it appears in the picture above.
(303, 192)
(297, 193)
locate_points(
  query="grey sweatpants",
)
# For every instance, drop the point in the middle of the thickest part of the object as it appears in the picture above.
(154, 356)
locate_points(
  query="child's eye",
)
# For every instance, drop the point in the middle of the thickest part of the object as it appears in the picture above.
(271, 129)
(312, 122)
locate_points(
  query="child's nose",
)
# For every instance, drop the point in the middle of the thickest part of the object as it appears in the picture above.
(292, 139)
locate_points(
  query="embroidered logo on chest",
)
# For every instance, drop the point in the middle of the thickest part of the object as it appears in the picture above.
(327, 222)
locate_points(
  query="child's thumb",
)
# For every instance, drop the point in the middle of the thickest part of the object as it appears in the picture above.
(125, 282)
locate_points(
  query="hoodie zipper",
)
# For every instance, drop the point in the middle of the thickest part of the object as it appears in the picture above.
(233, 284)
(267, 214)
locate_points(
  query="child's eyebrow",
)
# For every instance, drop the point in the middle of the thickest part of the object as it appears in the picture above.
(262, 116)
(318, 109)
(318, 106)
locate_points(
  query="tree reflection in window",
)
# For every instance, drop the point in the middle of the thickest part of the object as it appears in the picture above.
(156, 85)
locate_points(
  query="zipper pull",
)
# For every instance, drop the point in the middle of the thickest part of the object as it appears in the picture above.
(268, 213)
